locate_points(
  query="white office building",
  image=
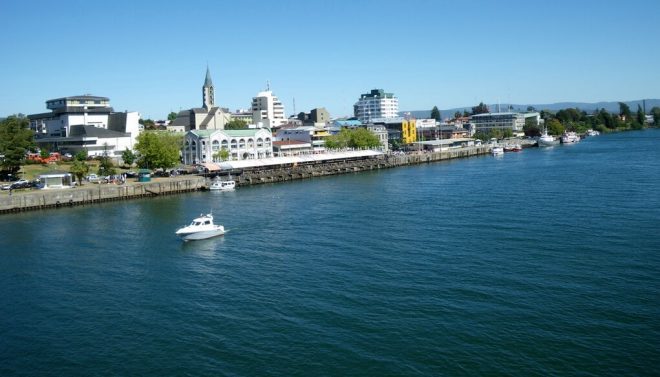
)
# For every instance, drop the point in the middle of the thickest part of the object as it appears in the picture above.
(203, 146)
(503, 121)
(85, 123)
(268, 111)
(376, 104)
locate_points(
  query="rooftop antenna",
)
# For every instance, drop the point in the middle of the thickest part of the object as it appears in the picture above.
(268, 85)
(294, 106)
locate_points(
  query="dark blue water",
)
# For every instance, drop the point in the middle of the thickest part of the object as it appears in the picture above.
(544, 262)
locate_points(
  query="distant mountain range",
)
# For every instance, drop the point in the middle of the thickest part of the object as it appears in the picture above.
(612, 107)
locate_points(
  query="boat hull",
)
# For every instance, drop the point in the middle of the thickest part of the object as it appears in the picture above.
(543, 142)
(201, 235)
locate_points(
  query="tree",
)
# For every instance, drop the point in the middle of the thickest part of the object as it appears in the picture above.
(44, 153)
(15, 140)
(655, 111)
(222, 154)
(81, 156)
(457, 114)
(531, 108)
(236, 124)
(106, 167)
(480, 109)
(158, 149)
(466, 114)
(171, 116)
(128, 157)
(624, 111)
(531, 128)
(79, 169)
(435, 113)
(352, 138)
(148, 124)
(641, 117)
(554, 127)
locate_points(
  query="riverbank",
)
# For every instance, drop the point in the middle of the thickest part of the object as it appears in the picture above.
(96, 193)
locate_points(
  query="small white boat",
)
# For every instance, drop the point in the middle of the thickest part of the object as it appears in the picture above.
(569, 137)
(200, 228)
(546, 140)
(497, 151)
(513, 148)
(591, 132)
(219, 185)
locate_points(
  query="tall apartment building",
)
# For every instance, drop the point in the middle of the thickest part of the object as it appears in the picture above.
(268, 110)
(376, 104)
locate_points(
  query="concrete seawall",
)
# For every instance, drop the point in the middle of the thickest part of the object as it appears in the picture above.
(282, 174)
(93, 193)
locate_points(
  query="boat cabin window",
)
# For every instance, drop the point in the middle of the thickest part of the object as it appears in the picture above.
(207, 222)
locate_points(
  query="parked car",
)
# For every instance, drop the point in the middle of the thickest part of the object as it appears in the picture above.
(93, 178)
(20, 184)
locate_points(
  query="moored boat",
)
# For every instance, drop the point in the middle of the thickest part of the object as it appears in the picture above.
(546, 140)
(591, 132)
(200, 228)
(512, 148)
(219, 185)
(569, 137)
(497, 151)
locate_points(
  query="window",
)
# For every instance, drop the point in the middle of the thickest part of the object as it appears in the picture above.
(225, 144)
(241, 143)
(233, 143)
(260, 142)
(215, 146)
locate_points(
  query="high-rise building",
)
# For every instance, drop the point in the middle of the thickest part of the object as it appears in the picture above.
(376, 104)
(268, 110)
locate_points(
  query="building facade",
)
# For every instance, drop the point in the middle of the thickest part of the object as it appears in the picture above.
(268, 111)
(376, 104)
(207, 117)
(85, 123)
(203, 146)
(69, 111)
(308, 134)
(503, 121)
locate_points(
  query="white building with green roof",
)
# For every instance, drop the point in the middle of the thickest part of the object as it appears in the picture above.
(204, 146)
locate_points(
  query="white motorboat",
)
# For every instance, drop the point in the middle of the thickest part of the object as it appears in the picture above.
(591, 132)
(497, 151)
(219, 185)
(546, 140)
(200, 228)
(569, 137)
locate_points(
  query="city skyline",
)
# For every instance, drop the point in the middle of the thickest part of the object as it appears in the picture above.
(152, 57)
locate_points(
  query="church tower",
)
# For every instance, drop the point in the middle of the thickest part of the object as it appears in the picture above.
(208, 95)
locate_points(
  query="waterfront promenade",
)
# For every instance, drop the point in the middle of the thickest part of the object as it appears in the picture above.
(96, 193)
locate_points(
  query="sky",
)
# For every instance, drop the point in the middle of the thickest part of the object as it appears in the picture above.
(151, 56)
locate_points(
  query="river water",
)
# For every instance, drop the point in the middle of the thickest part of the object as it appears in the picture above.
(543, 262)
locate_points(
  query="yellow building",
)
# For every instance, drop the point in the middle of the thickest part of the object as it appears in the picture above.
(408, 131)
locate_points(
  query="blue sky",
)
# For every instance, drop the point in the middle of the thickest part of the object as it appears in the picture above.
(151, 56)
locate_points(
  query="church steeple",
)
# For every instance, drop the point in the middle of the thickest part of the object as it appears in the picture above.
(208, 95)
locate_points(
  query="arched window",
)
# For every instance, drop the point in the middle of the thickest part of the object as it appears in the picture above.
(225, 144)
(241, 143)
(215, 145)
(193, 145)
(267, 142)
(233, 143)
(260, 142)
(250, 143)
